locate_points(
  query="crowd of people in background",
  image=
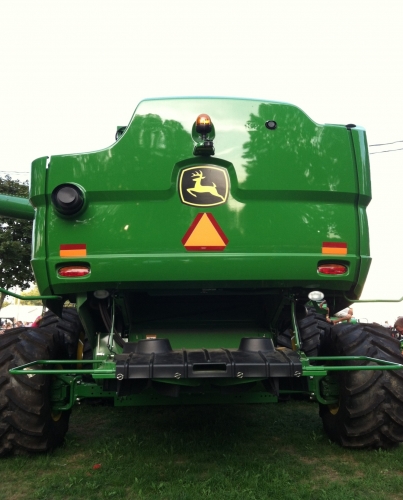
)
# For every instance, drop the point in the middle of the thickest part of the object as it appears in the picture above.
(7, 325)
(346, 315)
(397, 329)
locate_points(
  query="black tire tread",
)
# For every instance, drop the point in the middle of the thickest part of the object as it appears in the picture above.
(309, 332)
(66, 331)
(26, 424)
(371, 402)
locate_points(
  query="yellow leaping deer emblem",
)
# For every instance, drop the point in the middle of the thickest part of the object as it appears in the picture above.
(199, 188)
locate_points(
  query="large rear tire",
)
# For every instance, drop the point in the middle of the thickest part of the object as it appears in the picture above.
(369, 413)
(67, 331)
(27, 424)
(310, 335)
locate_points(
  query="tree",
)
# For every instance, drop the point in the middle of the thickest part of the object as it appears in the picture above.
(15, 243)
(32, 292)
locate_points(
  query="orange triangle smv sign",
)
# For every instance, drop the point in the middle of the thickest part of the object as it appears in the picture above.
(204, 234)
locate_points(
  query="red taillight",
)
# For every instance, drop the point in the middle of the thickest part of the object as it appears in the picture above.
(73, 271)
(332, 269)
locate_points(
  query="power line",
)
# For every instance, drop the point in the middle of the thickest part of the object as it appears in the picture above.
(386, 151)
(384, 144)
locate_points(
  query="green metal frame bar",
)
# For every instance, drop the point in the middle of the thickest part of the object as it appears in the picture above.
(307, 369)
(316, 394)
(297, 338)
(322, 370)
(71, 383)
(78, 389)
(384, 365)
(30, 297)
(148, 399)
(26, 370)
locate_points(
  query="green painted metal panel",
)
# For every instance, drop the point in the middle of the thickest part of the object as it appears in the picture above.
(291, 190)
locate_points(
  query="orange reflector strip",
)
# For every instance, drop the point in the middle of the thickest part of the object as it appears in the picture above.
(73, 271)
(204, 234)
(74, 250)
(334, 248)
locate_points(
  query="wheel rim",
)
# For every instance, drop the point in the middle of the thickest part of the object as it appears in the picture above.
(334, 408)
(56, 416)
(80, 349)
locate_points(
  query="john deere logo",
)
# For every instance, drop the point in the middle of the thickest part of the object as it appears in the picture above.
(204, 186)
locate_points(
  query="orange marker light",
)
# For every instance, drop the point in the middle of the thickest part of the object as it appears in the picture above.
(203, 124)
(334, 247)
(74, 250)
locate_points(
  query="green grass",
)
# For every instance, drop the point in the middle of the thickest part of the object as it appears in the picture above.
(274, 451)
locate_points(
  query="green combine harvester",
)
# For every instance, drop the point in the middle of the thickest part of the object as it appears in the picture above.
(196, 250)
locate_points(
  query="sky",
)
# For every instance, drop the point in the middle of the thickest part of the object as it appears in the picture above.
(71, 71)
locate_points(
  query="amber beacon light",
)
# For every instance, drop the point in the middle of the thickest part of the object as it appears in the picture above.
(203, 124)
(203, 135)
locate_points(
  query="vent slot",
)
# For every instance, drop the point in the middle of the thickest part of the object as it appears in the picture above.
(210, 367)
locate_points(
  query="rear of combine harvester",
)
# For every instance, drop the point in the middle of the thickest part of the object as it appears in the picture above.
(272, 198)
(189, 247)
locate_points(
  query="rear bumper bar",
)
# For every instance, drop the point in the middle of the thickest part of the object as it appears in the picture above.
(156, 360)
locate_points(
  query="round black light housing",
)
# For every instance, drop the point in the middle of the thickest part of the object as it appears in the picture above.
(68, 199)
(271, 124)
